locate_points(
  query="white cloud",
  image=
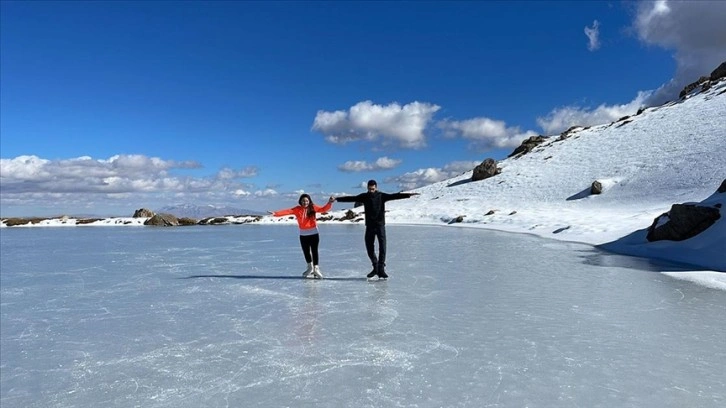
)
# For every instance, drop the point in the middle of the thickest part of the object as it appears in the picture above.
(382, 163)
(391, 124)
(118, 174)
(122, 180)
(561, 119)
(695, 30)
(268, 192)
(422, 177)
(593, 36)
(485, 133)
(33, 170)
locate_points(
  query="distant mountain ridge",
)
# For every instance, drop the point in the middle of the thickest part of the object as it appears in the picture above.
(205, 211)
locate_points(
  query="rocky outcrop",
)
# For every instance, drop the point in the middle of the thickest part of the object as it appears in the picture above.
(693, 85)
(187, 221)
(143, 213)
(215, 221)
(12, 222)
(569, 132)
(349, 215)
(705, 82)
(162, 220)
(527, 145)
(683, 221)
(486, 169)
(719, 72)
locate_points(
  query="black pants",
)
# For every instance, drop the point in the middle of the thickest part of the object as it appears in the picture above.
(309, 244)
(373, 232)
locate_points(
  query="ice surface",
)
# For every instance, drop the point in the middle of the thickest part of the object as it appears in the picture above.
(219, 317)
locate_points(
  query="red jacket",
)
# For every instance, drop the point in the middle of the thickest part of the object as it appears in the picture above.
(304, 221)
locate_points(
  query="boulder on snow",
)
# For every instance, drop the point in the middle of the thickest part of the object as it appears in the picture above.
(349, 215)
(143, 213)
(683, 221)
(596, 187)
(486, 169)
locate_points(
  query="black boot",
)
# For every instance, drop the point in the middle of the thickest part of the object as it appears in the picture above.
(373, 273)
(382, 271)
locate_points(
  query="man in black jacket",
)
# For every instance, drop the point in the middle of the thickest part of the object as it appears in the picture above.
(374, 203)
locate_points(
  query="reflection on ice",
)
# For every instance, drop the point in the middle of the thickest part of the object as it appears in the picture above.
(220, 317)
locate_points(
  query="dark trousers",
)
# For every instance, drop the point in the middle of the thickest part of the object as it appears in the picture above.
(309, 244)
(373, 232)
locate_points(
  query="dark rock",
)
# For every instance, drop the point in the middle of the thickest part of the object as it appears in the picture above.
(719, 72)
(684, 221)
(690, 87)
(162, 220)
(722, 187)
(596, 187)
(486, 169)
(143, 213)
(349, 215)
(527, 145)
(11, 222)
(567, 133)
(187, 221)
(87, 221)
(457, 219)
(216, 220)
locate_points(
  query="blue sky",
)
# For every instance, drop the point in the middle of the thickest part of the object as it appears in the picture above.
(106, 107)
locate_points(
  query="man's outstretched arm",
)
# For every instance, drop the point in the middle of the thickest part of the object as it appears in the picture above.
(349, 199)
(398, 196)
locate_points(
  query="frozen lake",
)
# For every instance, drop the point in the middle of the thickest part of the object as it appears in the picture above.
(218, 316)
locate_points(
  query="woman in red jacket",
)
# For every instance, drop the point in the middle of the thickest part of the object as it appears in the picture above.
(309, 236)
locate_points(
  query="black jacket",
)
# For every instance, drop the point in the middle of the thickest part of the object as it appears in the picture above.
(374, 205)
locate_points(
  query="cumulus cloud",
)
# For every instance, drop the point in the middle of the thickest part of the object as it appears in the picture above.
(118, 174)
(391, 124)
(31, 180)
(32, 170)
(593, 36)
(694, 30)
(561, 119)
(485, 133)
(382, 163)
(423, 177)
